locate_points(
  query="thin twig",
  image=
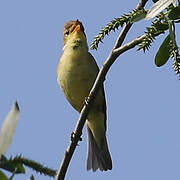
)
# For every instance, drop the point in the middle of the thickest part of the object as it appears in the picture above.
(141, 4)
(122, 35)
(126, 28)
(13, 174)
(115, 53)
(129, 45)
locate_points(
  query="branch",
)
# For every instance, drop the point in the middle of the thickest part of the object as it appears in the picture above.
(141, 4)
(125, 30)
(115, 53)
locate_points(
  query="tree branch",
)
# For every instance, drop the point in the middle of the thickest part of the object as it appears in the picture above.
(115, 53)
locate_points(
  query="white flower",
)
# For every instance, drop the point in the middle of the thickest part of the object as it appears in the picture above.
(8, 128)
(158, 7)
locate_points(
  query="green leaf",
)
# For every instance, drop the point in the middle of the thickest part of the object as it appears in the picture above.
(3, 176)
(174, 14)
(11, 166)
(163, 53)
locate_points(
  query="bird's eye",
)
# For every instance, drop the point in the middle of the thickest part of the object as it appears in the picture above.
(66, 33)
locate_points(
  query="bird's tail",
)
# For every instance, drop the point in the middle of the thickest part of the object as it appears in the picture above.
(98, 157)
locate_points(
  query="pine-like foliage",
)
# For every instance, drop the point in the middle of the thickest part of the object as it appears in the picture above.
(114, 25)
(159, 26)
(175, 55)
(176, 66)
(34, 165)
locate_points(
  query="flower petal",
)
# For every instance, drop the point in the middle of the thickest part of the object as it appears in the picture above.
(8, 128)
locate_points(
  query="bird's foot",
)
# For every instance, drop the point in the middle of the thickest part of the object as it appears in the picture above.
(86, 101)
(74, 137)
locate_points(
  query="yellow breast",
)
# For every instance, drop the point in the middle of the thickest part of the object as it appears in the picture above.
(77, 71)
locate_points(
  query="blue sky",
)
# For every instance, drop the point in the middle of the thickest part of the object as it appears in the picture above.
(143, 100)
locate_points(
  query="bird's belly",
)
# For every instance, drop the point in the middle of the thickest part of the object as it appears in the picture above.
(77, 88)
(76, 83)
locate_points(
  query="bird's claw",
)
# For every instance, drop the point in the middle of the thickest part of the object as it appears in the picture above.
(86, 101)
(74, 137)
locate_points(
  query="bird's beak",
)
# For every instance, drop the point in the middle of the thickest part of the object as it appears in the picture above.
(77, 27)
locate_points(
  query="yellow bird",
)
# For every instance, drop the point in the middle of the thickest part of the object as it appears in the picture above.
(77, 71)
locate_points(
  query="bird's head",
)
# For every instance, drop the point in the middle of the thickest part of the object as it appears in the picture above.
(74, 34)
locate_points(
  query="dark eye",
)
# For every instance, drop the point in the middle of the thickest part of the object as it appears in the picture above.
(66, 33)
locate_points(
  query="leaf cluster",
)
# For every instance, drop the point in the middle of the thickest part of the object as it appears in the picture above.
(16, 166)
(159, 26)
(176, 56)
(163, 22)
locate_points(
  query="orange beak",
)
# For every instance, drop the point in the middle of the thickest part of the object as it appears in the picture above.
(77, 27)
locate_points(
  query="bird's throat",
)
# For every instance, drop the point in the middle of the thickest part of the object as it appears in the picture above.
(77, 43)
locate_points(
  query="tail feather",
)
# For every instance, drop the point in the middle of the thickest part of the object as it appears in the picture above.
(98, 157)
